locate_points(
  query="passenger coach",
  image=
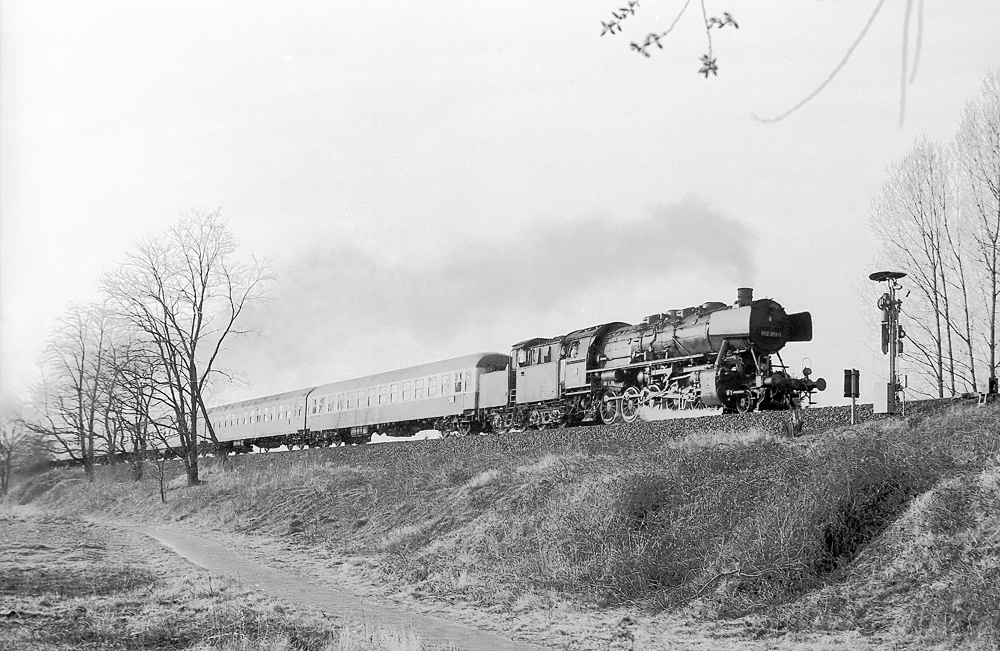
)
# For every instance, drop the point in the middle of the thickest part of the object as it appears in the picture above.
(446, 395)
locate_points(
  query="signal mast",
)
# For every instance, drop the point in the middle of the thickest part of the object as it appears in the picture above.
(892, 333)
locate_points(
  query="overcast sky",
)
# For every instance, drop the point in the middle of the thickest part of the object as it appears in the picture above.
(430, 183)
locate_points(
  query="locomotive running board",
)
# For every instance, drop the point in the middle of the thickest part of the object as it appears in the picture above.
(652, 362)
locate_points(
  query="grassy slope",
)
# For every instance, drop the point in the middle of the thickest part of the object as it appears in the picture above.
(891, 528)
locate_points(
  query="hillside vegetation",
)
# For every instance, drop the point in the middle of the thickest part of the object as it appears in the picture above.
(891, 528)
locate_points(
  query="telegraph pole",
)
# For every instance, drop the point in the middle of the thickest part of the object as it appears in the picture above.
(891, 336)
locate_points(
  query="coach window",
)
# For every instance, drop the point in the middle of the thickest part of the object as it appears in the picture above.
(418, 389)
(340, 402)
(407, 391)
(446, 384)
(394, 393)
(458, 382)
(432, 387)
(371, 397)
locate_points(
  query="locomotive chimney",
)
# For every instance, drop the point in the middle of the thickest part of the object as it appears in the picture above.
(744, 296)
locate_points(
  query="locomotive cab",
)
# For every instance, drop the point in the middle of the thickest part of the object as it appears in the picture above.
(536, 370)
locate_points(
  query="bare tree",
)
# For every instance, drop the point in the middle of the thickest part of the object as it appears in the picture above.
(186, 292)
(977, 145)
(18, 447)
(938, 218)
(133, 405)
(910, 216)
(67, 404)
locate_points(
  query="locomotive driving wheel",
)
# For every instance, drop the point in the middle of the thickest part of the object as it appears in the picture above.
(608, 408)
(630, 405)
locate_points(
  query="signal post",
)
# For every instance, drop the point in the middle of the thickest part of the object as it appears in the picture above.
(886, 399)
(852, 390)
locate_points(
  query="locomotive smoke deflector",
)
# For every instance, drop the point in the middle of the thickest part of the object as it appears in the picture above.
(800, 327)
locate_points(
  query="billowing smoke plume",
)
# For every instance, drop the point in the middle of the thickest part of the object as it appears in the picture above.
(340, 312)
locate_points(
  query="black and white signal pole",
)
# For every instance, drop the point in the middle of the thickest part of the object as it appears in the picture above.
(891, 333)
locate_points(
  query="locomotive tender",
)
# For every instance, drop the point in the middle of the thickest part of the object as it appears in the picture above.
(712, 355)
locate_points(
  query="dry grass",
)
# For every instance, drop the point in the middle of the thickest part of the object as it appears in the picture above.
(717, 524)
(63, 586)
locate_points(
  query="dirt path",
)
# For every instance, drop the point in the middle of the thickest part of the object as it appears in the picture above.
(226, 561)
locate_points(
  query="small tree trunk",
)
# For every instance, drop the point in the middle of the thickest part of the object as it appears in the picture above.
(191, 463)
(139, 454)
(159, 468)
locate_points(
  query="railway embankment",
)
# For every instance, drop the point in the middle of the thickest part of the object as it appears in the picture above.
(888, 530)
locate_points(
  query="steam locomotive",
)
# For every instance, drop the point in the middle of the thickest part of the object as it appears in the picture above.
(711, 355)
